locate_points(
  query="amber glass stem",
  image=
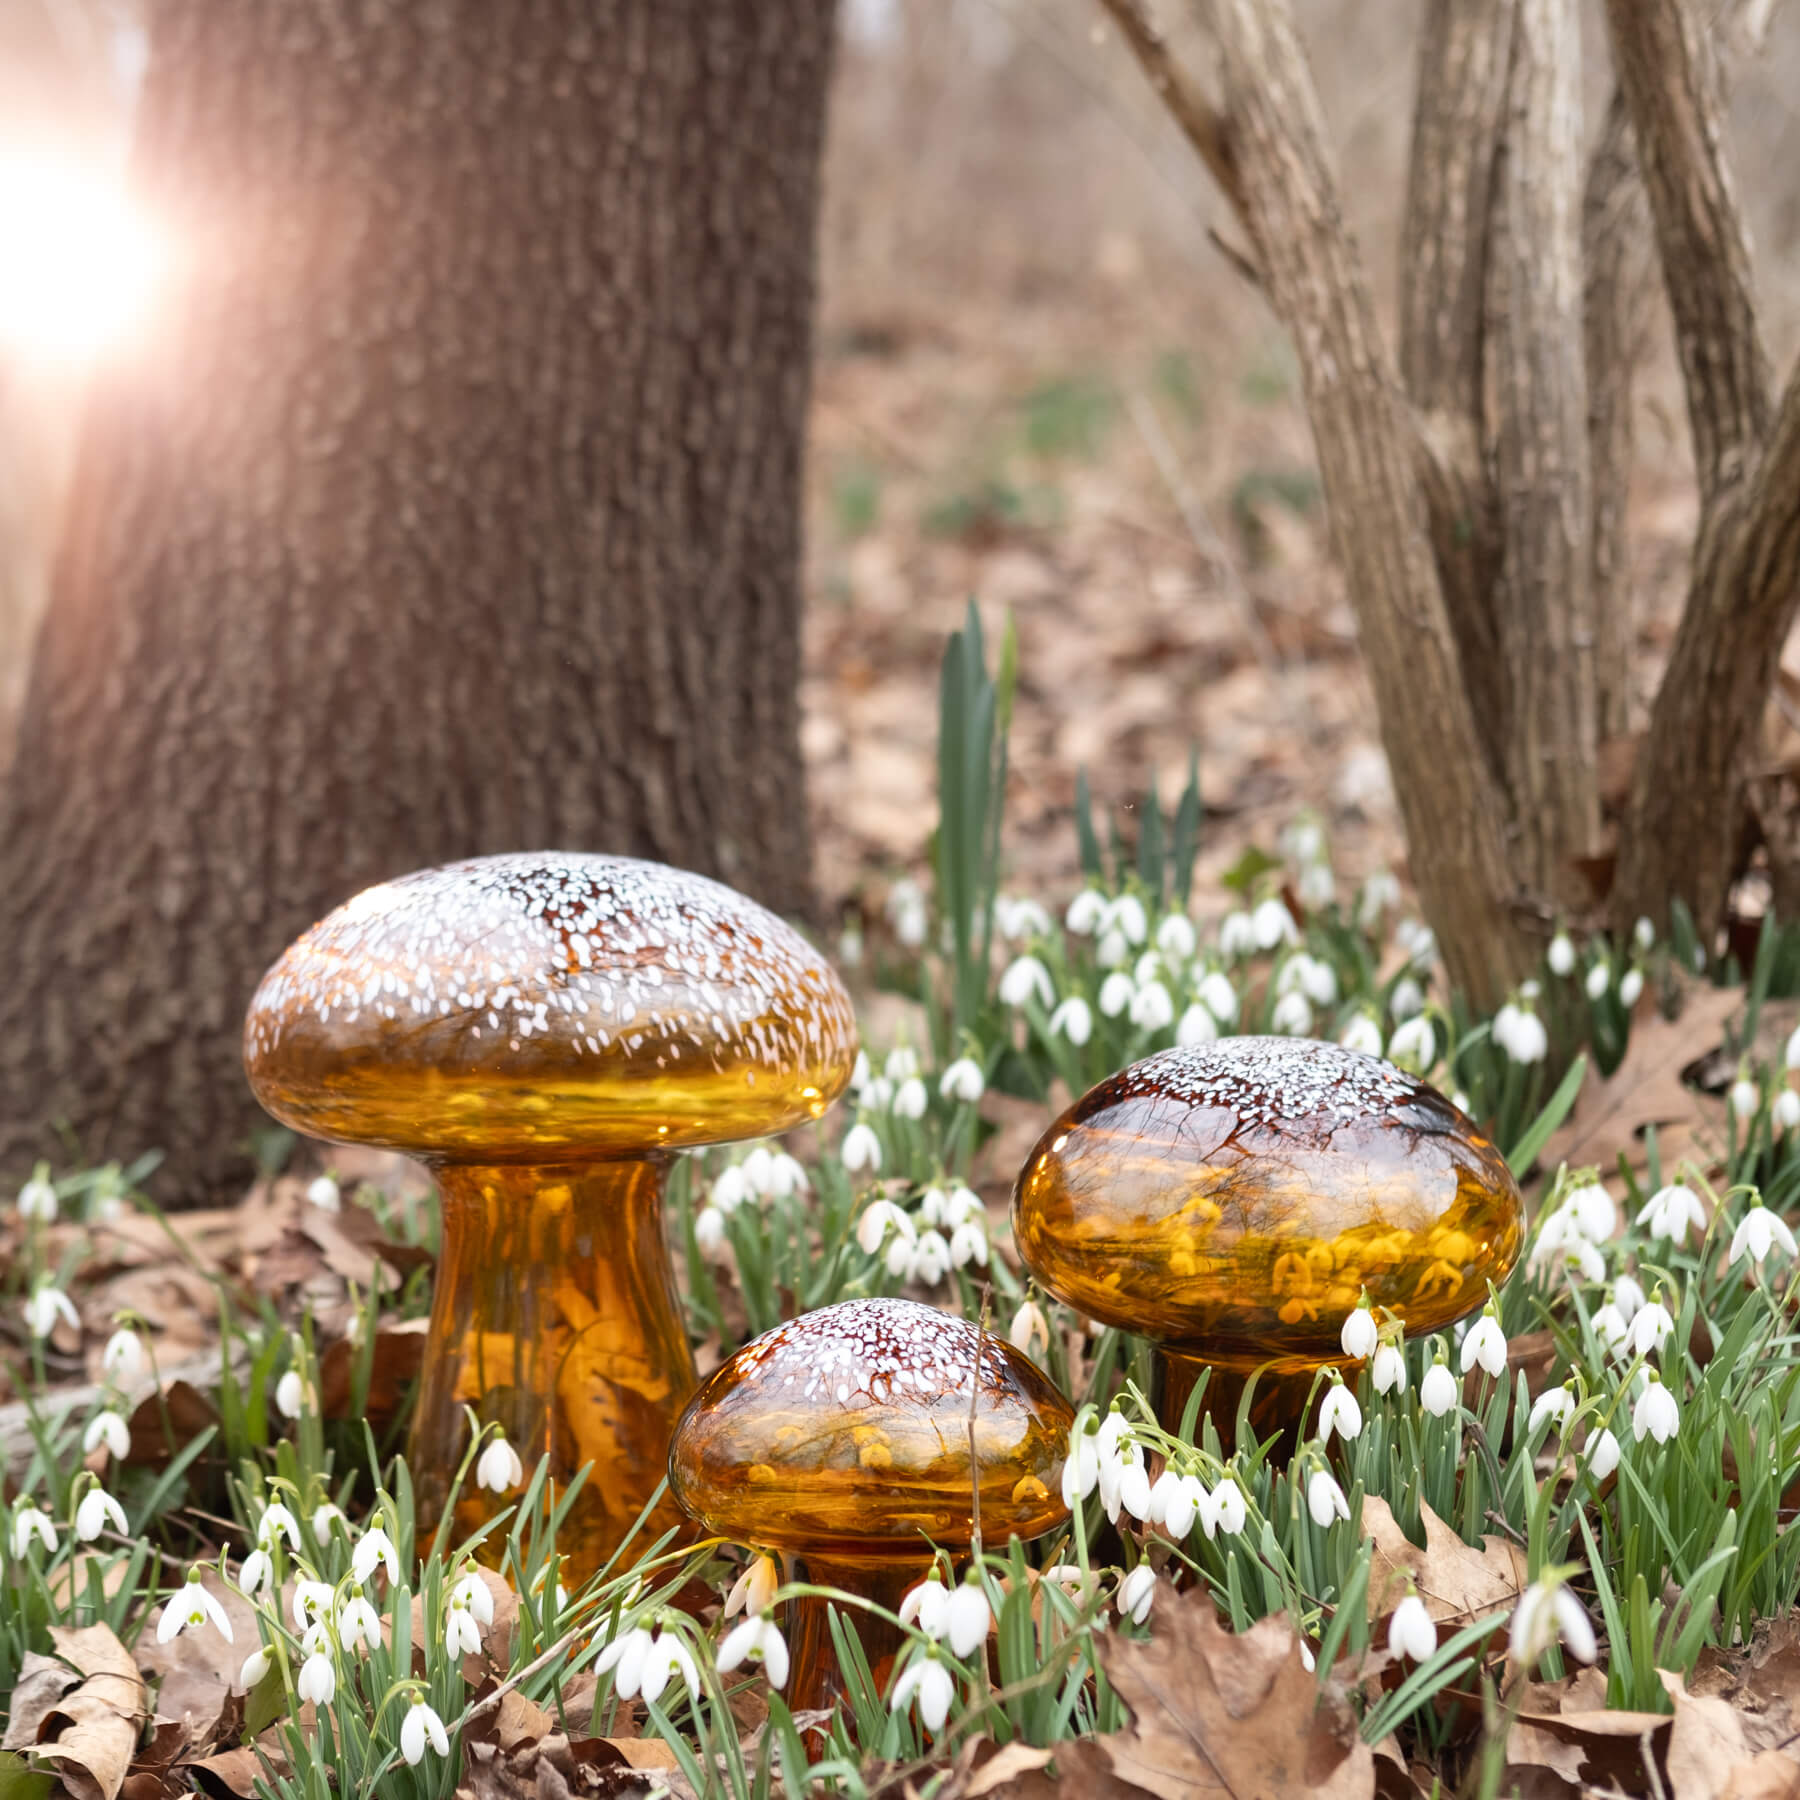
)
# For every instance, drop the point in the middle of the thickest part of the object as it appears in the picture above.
(815, 1679)
(556, 1315)
(1277, 1405)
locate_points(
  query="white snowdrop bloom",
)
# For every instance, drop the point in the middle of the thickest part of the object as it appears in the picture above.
(1380, 892)
(933, 1206)
(123, 1358)
(1126, 1458)
(908, 912)
(1137, 1594)
(1418, 941)
(323, 1193)
(1602, 1454)
(471, 1591)
(422, 1726)
(930, 1259)
(29, 1525)
(1318, 980)
(1197, 1026)
(1116, 993)
(1023, 918)
(1127, 915)
(256, 1574)
(37, 1200)
(190, 1607)
(498, 1468)
(47, 1304)
(1029, 1328)
(709, 1235)
(1529, 1041)
(624, 1658)
(963, 1082)
(1086, 911)
(318, 1680)
(358, 1623)
(1651, 1328)
(1598, 980)
(757, 1638)
(1176, 936)
(1655, 1415)
(1411, 1633)
(97, 1510)
(1759, 1232)
(1081, 1467)
(1580, 1255)
(1237, 936)
(375, 1550)
(1340, 1413)
(1134, 1487)
(901, 1064)
(1414, 1043)
(730, 1189)
(787, 1175)
(313, 1601)
(1177, 1501)
(880, 1219)
(968, 1244)
(1610, 1328)
(1273, 924)
(1292, 1016)
(1149, 967)
(759, 1165)
(1112, 949)
(255, 1666)
(290, 1394)
(1556, 1404)
(1151, 1007)
(1325, 1499)
(1745, 1098)
(1026, 979)
(861, 1150)
(1438, 1392)
(899, 1258)
(1485, 1345)
(1786, 1110)
(927, 1678)
(1317, 885)
(106, 1427)
(1792, 1055)
(325, 1518)
(860, 1072)
(1218, 996)
(911, 1101)
(1362, 1033)
(962, 1205)
(1387, 1373)
(928, 1606)
(1628, 1296)
(1644, 933)
(1359, 1334)
(967, 1616)
(462, 1636)
(1302, 841)
(1547, 1611)
(1228, 1508)
(1407, 1000)
(1631, 987)
(1073, 1020)
(1561, 955)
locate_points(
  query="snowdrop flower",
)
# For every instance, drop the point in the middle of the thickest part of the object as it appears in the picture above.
(1610, 1328)
(1218, 996)
(1292, 1016)
(1302, 841)
(1115, 993)
(911, 1101)
(1631, 985)
(880, 1219)
(1670, 1211)
(709, 1234)
(1418, 941)
(1176, 1501)
(190, 1607)
(1123, 1465)
(968, 1244)
(1656, 1415)
(878, 1095)
(1359, 1334)
(256, 1666)
(861, 1150)
(1197, 1027)
(1316, 885)
(422, 1726)
(106, 1427)
(37, 1198)
(1556, 1404)
(1273, 924)
(1411, 1633)
(1792, 1055)
(47, 1304)
(1745, 1098)
(1362, 1033)
(1073, 1020)
(901, 1064)
(1786, 1110)
(471, 1591)
(1151, 1007)
(375, 1550)
(907, 912)
(758, 1165)
(1387, 1373)
(1018, 919)
(1026, 978)
(730, 1189)
(312, 1602)
(1317, 979)
(325, 1516)
(1759, 1232)
(1547, 1611)
(1583, 1257)
(1339, 1413)
(277, 1522)
(290, 1394)
(1485, 1345)
(967, 1615)
(1602, 1454)
(1029, 1327)
(1644, 933)
(962, 1206)
(123, 1357)
(1414, 1043)
(1379, 892)
(1591, 1208)
(1628, 1296)
(1081, 1467)
(318, 1680)
(928, 1606)
(1651, 1328)
(256, 1574)
(963, 1081)
(787, 1175)
(1176, 936)
(1407, 1000)
(29, 1524)
(1438, 1392)
(1521, 1034)
(499, 1469)
(1598, 980)
(1325, 1499)
(1137, 1594)
(97, 1510)
(1237, 935)
(1127, 914)
(1111, 950)
(358, 1622)
(322, 1192)
(930, 1259)
(1561, 955)
(1085, 913)
(926, 1677)
(757, 1637)
(1228, 1509)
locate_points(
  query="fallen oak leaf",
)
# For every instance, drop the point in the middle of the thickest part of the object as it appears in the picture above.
(90, 1734)
(1457, 1582)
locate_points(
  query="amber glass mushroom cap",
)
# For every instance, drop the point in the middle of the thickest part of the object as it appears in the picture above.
(1238, 1197)
(530, 1007)
(847, 1431)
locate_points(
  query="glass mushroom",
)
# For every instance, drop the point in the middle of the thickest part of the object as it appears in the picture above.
(1233, 1201)
(546, 1031)
(842, 1439)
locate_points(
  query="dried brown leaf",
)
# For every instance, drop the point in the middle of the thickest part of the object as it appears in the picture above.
(1457, 1582)
(1706, 1743)
(90, 1734)
(42, 1682)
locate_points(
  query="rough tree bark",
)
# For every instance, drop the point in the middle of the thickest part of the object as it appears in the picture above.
(457, 510)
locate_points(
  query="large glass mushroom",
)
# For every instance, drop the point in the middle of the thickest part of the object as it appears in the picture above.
(842, 1440)
(546, 1031)
(1232, 1202)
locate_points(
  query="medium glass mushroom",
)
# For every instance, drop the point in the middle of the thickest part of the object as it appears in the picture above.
(1233, 1201)
(546, 1031)
(842, 1440)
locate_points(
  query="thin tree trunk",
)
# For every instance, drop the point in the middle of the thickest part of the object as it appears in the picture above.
(456, 510)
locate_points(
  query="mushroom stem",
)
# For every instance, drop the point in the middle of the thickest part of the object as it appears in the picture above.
(556, 1316)
(815, 1680)
(1277, 1405)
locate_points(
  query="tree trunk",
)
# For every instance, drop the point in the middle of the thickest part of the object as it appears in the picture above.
(455, 510)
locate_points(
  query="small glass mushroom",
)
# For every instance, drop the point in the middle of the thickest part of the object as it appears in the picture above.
(842, 1440)
(1233, 1201)
(546, 1030)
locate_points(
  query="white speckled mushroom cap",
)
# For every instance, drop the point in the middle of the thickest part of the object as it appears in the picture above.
(517, 1007)
(848, 1429)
